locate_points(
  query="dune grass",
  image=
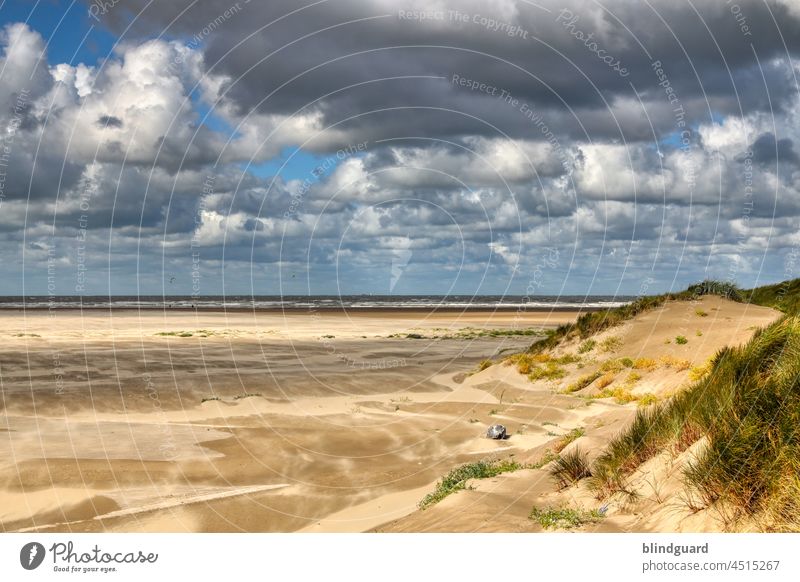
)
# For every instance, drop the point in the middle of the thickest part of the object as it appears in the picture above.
(564, 517)
(590, 324)
(456, 480)
(781, 296)
(748, 409)
(570, 468)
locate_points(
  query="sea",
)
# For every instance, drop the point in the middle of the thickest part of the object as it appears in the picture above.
(318, 302)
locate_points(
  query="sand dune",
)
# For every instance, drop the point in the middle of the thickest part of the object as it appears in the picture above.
(239, 422)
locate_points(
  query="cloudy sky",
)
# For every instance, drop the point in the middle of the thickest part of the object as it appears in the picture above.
(391, 146)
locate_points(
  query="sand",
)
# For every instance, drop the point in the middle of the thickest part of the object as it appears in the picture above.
(301, 422)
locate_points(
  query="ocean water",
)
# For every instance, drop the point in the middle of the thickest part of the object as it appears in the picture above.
(317, 302)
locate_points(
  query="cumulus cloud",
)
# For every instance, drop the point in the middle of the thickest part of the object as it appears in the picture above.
(472, 138)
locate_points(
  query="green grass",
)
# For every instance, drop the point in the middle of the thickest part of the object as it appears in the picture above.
(587, 346)
(564, 517)
(467, 333)
(590, 324)
(681, 340)
(456, 480)
(568, 438)
(570, 468)
(748, 409)
(247, 395)
(484, 364)
(781, 296)
(611, 344)
(582, 382)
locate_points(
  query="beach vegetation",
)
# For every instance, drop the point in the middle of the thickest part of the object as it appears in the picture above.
(568, 438)
(457, 479)
(611, 344)
(746, 410)
(587, 346)
(582, 382)
(681, 340)
(679, 364)
(605, 380)
(484, 364)
(592, 323)
(570, 468)
(647, 364)
(564, 517)
(247, 395)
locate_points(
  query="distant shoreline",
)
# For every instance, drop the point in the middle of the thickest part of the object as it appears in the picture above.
(310, 310)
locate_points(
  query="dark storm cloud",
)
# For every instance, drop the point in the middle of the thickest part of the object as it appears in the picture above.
(281, 56)
(768, 151)
(109, 121)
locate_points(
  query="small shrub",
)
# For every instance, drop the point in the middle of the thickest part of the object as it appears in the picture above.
(700, 313)
(582, 382)
(632, 378)
(484, 364)
(564, 517)
(209, 399)
(647, 399)
(568, 438)
(620, 394)
(605, 380)
(550, 371)
(611, 366)
(456, 480)
(611, 344)
(698, 333)
(587, 346)
(681, 340)
(627, 362)
(247, 395)
(699, 372)
(570, 468)
(648, 364)
(678, 364)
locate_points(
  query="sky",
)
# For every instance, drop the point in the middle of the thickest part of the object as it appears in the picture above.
(397, 147)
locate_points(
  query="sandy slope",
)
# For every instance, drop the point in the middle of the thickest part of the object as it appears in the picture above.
(505, 502)
(103, 424)
(104, 428)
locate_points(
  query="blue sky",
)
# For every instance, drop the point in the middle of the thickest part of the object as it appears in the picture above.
(450, 190)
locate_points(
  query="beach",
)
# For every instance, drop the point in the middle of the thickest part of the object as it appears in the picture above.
(335, 421)
(129, 420)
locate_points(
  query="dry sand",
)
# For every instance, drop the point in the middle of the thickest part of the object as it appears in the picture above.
(323, 421)
(104, 427)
